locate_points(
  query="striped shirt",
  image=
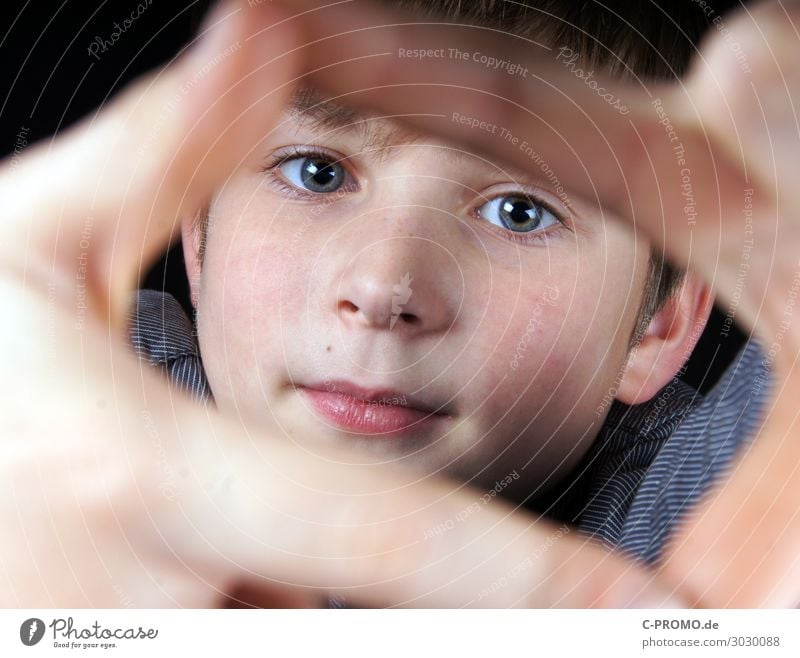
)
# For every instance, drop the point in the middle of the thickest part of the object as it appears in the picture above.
(649, 463)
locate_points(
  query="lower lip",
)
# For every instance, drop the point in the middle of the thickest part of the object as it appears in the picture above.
(354, 415)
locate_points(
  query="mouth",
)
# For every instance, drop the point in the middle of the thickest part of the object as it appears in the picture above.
(382, 412)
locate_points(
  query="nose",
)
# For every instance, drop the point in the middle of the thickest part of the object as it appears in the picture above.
(403, 283)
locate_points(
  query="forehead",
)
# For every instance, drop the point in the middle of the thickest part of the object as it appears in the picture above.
(310, 109)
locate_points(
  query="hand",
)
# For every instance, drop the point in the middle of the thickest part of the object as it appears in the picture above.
(739, 132)
(116, 491)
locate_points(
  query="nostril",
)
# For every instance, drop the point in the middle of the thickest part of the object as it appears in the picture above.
(348, 306)
(410, 318)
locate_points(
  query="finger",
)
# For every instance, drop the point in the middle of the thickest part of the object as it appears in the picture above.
(549, 120)
(283, 517)
(115, 185)
(740, 547)
(666, 164)
(747, 89)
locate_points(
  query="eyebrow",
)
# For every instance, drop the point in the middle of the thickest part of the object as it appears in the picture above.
(309, 107)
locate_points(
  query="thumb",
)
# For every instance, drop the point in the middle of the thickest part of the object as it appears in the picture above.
(159, 149)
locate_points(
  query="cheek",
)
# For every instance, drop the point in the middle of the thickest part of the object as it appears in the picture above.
(254, 293)
(549, 365)
(555, 346)
(535, 332)
(523, 347)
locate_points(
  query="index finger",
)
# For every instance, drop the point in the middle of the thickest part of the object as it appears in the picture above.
(378, 536)
(612, 142)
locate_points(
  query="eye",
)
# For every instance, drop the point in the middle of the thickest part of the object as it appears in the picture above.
(519, 213)
(315, 173)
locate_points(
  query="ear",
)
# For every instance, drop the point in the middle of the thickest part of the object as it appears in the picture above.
(191, 238)
(668, 342)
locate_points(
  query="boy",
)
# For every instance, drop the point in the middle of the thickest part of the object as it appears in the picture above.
(372, 285)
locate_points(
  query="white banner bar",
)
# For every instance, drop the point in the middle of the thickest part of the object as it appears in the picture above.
(401, 633)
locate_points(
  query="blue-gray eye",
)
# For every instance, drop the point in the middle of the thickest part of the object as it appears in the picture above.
(518, 212)
(314, 173)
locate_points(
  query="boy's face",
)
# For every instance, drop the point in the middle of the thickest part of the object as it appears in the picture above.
(361, 261)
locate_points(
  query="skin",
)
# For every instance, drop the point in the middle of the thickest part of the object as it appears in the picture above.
(253, 508)
(295, 289)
